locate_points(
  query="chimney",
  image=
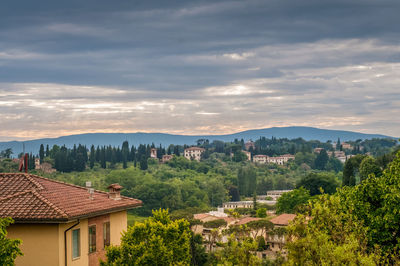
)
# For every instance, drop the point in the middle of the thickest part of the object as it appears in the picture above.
(114, 191)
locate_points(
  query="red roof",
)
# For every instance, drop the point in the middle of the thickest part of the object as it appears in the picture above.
(31, 198)
(246, 220)
(283, 219)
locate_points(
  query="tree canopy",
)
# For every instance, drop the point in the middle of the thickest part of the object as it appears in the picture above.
(314, 182)
(9, 248)
(290, 201)
(356, 225)
(157, 241)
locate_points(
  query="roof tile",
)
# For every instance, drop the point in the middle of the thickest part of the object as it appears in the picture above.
(26, 197)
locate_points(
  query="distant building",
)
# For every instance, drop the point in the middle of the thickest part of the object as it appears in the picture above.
(37, 163)
(246, 203)
(318, 150)
(263, 159)
(346, 146)
(248, 154)
(153, 153)
(276, 194)
(249, 144)
(193, 152)
(166, 158)
(260, 158)
(276, 242)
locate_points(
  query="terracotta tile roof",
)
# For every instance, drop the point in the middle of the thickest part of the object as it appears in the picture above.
(283, 219)
(200, 216)
(246, 220)
(28, 198)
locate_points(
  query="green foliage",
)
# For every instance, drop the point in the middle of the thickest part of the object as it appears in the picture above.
(314, 182)
(351, 170)
(261, 243)
(369, 166)
(289, 202)
(215, 223)
(157, 241)
(238, 252)
(321, 160)
(261, 213)
(9, 248)
(357, 225)
(8, 166)
(247, 180)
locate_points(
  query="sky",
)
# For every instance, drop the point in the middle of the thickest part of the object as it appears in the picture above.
(197, 67)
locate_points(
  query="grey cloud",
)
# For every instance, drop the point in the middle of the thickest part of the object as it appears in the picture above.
(230, 65)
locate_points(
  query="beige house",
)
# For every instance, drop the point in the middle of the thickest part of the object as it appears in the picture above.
(59, 223)
(277, 240)
(248, 154)
(261, 159)
(153, 153)
(193, 153)
(166, 158)
(276, 194)
(250, 144)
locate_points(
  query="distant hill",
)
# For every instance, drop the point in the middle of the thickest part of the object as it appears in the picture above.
(116, 139)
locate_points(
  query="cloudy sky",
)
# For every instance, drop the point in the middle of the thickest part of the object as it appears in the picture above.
(194, 67)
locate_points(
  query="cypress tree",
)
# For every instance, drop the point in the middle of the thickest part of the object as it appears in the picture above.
(41, 153)
(92, 157)
(47, 150)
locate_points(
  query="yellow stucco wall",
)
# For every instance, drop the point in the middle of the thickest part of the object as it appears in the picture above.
(43, 244)
(40, 243)
(83, 259)
(118, 225)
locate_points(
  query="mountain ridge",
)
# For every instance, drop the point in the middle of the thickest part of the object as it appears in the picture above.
(165, 139)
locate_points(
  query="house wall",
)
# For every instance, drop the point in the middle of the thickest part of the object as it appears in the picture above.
(83, 259)
(43, 244)
(100, 253)
(40, 243)
(118, 225)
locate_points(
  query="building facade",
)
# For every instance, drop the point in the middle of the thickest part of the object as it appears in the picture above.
(194, 153)
(59, 223)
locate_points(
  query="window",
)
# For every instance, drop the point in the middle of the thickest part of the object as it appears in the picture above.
(92, 238)
(76, 243)
(106, 234)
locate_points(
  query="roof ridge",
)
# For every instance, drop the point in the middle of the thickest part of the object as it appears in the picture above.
(16, 194)
(28, 176)
(65, 183)
(50, 204)
(76, 186)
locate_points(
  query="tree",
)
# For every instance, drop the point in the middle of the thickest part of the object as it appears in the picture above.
(6, 153)
(321, 160)
(215, 223)
(9, 248)
(289, 201)
(143, 163)
(348, 174)
(92, 157)
(260, 227)
(351, 170)
(156, 241)
(41, 153)
(369, 166)
(261, 213)
(238, 252)
(125, 154)
(357, 225)
(313, 182)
